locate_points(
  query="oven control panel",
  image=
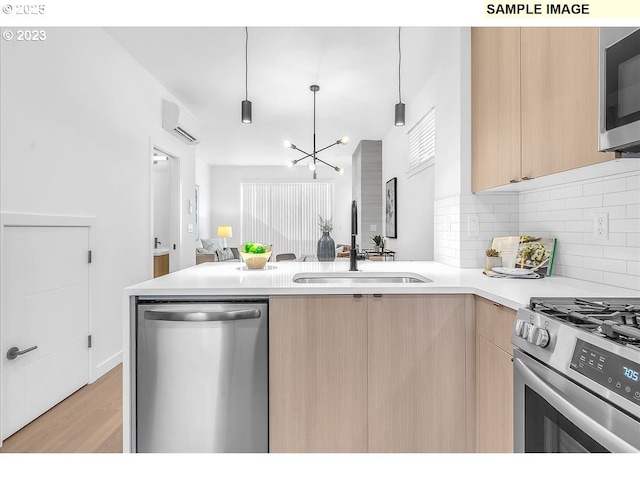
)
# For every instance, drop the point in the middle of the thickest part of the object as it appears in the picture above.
(607, 369)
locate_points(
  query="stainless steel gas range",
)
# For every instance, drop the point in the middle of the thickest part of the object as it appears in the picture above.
(577, 375)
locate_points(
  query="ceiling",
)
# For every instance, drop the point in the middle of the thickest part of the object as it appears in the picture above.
(356, 69)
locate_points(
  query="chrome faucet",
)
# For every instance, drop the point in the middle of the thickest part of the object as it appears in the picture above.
(353, 254)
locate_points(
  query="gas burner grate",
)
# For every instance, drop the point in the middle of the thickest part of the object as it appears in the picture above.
(615, 318)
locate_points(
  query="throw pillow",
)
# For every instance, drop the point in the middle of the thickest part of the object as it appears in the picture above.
(201, 250)
(211, 244)
(227, 254)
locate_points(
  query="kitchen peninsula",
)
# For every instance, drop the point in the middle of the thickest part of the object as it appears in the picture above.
(361, 367)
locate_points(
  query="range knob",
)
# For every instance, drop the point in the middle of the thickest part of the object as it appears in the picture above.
(526, 328)
(518, 327)
(538, 336)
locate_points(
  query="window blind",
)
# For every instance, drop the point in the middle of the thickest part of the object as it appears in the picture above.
(285, 214)
(422, 143)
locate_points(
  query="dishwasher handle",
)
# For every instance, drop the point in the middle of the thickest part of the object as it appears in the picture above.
(199, 316)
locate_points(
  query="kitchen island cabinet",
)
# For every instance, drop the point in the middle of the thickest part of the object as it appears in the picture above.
(329, 342)
(494, 377)
(385, 373)
(318, 374)
(419, 378)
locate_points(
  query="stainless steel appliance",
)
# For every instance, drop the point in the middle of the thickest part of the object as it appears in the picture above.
(577, 375)
(620, 89)
(201, 376)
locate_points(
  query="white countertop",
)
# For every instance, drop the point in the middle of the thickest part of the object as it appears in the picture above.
(228, 278)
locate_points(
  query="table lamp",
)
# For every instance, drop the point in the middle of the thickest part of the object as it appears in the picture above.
(224, 232)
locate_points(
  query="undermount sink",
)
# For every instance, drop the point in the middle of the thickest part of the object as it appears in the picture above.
(359, 277)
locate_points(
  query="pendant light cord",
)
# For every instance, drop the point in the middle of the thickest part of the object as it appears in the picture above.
(246, 63)
(399, 64)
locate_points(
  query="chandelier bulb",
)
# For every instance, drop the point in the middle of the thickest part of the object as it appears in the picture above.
(343, 140)
(340, 170)
(312, 166)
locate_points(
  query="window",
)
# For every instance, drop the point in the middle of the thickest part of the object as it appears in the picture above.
(422, 143)
(285, 214)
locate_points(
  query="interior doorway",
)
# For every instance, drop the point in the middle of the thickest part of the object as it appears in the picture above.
(165, 206)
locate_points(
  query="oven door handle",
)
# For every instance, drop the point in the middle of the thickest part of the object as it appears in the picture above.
(581, 420)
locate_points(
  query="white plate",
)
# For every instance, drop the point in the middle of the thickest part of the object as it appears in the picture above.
(512, 271)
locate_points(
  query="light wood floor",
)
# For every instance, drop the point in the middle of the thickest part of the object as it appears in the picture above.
(89, 421)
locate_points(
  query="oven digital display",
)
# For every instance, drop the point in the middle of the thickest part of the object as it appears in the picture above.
(607, 369)
(632, 374)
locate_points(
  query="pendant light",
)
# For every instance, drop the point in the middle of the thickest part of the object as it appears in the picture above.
(399, 106)
(313, 162)
(246, 104)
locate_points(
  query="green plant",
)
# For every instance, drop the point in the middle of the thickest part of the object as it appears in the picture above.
(492, 253)
(377, 240)
(326, 225)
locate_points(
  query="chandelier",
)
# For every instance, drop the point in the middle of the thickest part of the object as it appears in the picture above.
(313, 163)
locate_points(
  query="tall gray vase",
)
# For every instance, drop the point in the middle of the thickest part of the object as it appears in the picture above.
(326, 248)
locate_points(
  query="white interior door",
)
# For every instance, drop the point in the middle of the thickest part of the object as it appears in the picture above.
(45, 303)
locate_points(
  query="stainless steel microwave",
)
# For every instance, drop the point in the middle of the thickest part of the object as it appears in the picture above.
(620, 90)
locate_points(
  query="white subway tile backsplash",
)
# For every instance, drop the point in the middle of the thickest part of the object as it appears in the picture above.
(618, 211)
(580, 253)
(578, 225)
(614, 239)
(584, 202)
(565, 212)
(628, 197)
(535, 196)
(621, 280)
(633, 182)
(623, 253)
(627, 225)
(550, 205)
(605, 186)
(568, 192)
(633, 239)
(606, 264)
(580, 273)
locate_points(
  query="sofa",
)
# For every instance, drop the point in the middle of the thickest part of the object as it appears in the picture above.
(212, 250)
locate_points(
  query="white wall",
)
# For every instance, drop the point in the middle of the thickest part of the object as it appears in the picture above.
(203, 180)
(225, 195)
(78, 119)
(415, 194)
(449, 90)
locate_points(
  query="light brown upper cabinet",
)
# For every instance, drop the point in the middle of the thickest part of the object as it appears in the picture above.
(551, 124)
(495, 106)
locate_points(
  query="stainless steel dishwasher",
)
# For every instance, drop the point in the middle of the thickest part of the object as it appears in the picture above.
(201, 381)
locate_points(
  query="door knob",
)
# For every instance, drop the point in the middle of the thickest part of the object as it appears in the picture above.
(13, 352)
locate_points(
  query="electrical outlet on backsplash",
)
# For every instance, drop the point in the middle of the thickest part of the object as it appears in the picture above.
(566, 212)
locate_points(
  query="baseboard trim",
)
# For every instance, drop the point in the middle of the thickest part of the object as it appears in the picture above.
(106, 366)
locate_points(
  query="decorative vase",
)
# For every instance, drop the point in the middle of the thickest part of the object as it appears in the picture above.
(492, 262)
(326, 248)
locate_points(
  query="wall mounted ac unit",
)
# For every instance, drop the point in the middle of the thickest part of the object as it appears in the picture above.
(180, 123)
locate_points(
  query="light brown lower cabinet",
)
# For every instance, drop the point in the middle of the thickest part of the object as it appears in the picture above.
(318, 374)
(417, 373)
(380, 374)
(160, 265)
(494, 377)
